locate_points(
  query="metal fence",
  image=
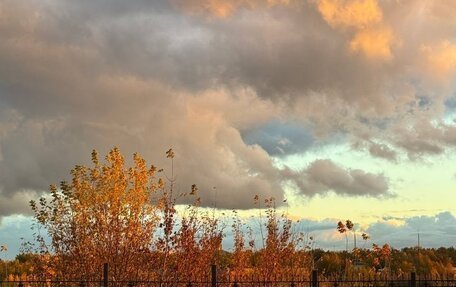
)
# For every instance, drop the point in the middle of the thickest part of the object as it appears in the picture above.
(213, 280)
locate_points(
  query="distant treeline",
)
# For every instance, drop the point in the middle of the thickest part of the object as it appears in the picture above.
(366, 262)
(429, 261)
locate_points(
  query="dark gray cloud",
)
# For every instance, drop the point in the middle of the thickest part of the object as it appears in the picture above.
(425, 138)
(323, 176)
(382, 151)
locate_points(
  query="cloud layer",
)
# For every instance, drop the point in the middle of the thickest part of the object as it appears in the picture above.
(323, 176)
(230, 86)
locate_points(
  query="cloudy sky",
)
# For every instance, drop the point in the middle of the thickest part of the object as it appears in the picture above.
(345, 108)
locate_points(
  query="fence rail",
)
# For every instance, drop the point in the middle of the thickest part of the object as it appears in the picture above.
(314, 280)
(308, 283)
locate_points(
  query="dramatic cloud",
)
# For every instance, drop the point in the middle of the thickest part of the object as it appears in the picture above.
(426, 138)
(441, 59)
(255, 81)
(323, 176)
(372, 37)
(374, 43)
(17, 203)
(383, 151)
(358, 13)
(221, 8)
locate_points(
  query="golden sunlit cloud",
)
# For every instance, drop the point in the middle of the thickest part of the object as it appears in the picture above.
(223, 8)
(395, 222)
(373, 43)
(440, 59)
(357, 13)
(372, 37)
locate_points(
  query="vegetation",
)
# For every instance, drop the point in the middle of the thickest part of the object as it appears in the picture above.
(386, 260)
(128, 217)
(429, 261)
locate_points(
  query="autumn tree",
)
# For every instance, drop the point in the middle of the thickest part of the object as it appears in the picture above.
(344, 229)
(381, 255)
(279, 256)
(196, 242)
(105, 214)
(240, 253)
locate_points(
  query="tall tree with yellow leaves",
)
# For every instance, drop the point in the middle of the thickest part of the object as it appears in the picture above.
(105, 214)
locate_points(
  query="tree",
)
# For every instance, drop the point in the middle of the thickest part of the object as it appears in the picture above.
(4, 248)
(279, 256)
(382, 255)
(342, 229)
(345, 228)
(105, 214)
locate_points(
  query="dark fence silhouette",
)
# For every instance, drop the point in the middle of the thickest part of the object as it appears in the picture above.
(218, 280)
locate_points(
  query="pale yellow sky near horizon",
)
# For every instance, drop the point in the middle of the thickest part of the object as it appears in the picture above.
(417, 187)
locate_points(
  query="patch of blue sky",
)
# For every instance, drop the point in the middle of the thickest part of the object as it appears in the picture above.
(14, 230)
(281, 138)
(450, 110)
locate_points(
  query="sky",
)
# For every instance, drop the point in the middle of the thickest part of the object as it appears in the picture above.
(345, 109)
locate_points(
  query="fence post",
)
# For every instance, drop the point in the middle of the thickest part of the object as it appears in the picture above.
(413, 279)
(105, 274)
(213, 275)
(314, 278)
